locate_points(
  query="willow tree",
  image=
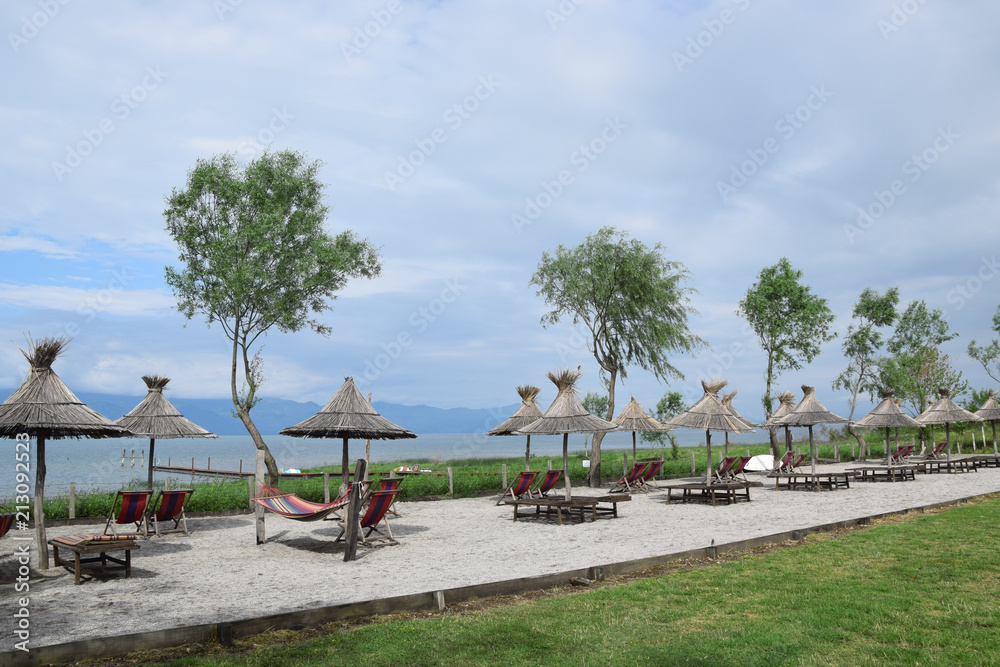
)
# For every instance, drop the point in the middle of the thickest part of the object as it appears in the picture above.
(862, 346)
(633, 302)
(790, 321)
(255, 256)
(988, 355)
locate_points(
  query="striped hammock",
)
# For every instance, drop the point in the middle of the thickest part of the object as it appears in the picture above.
(291, 506)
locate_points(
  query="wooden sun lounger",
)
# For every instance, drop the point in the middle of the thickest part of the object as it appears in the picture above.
(728, 492)
(579, 506)
(829, 481)
(943, 465)
(901, 473)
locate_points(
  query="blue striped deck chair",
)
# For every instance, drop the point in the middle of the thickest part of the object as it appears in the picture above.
(171, 508)
(371, 520)
(522, 487)
(132, 509)
(549, 481)
(630, 480)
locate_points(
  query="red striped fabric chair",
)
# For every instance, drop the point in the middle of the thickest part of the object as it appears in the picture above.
(389, 484)
(520, 488)
(722, 472)
(6, 523)
(131, 509)
(649, 476)
(374, 521)
(549, 481)
(171, 508)
(631, 479)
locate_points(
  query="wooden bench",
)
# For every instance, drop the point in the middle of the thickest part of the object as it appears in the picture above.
(729, 492)
(943, 465)
(578, 507)
(83, 544)
(830, 481)
(900, 473)
(987, 461)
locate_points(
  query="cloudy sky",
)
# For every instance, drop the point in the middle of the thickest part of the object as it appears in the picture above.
(859, 139)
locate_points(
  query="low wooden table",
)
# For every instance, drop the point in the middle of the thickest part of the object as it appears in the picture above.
(900, 473)
(987, 460)
(84, 544)
(818, 481)
(729, 492)
(943, 465)
(577, 506)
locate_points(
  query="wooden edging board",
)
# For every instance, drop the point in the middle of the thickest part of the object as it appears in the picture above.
(430, 600)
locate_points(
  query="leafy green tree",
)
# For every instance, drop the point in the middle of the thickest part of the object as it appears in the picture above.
(595, 404)
(790, 321)
(989, 355)
(916, 367)
(255, 257)
(668, 407)
(862, 346)
(631, 299)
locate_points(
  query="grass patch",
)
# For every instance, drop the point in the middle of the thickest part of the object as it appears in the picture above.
(914, 590)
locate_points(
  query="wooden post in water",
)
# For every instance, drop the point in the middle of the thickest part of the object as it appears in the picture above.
(123, 458)
(353, 510)
(326, 487)
(260, 469)
(503, 477)
(72, 500)
(209, 463)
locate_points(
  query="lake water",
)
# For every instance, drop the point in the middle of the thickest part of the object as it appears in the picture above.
(97, 464)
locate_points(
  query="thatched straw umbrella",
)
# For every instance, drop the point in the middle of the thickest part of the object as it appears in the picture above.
(991, 412)
(887, 414)
(528, 413)
(810, 412)
(155, 417)
(347, 415)
(566, 415)
(709, 414)
(634, 418)
(45, 408)
(946, 411)
(727, 402)
(786, 403)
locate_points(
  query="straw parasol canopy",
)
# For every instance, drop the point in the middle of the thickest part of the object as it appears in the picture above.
(347, 415)
(991, 413)
(946, 411)
(155, 417)
(528, 413)
(709, 414)
(727, 402)
(786, 403)
(566, 415)
(887, 414)
(43, 407)
(634, 418)
(810, 412)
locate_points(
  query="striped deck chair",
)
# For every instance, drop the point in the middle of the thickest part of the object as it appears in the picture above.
(630, 480)
(520, 488)
(6, 523)
(374, 516)
(794, 465)
(722, 472)
(132, 509)
(901, 453)
(549, 481)
(291, 506)
(782, 464)
(938, 451)
(388, 484)
(648, 477)
(171, 508)
(738, 469)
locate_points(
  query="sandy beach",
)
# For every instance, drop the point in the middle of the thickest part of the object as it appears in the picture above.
(219, 574)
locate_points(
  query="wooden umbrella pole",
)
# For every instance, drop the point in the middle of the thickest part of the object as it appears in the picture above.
(569, 490)
(344, 476)
(152, 443)
(947, 438)
(708, 449)
(527, 454)
(633, 447)
(812, 449)
(43, 547)
(994, 424)
(727, 444)
(888, 457)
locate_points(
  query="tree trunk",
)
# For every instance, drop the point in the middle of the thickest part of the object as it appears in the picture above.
(862, 445)
(258, 441)
(594, 479)
(773, 435)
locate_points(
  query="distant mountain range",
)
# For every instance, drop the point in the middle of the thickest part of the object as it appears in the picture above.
(273, 414)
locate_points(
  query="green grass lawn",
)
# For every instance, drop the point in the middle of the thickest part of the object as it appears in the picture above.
(917, 590)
